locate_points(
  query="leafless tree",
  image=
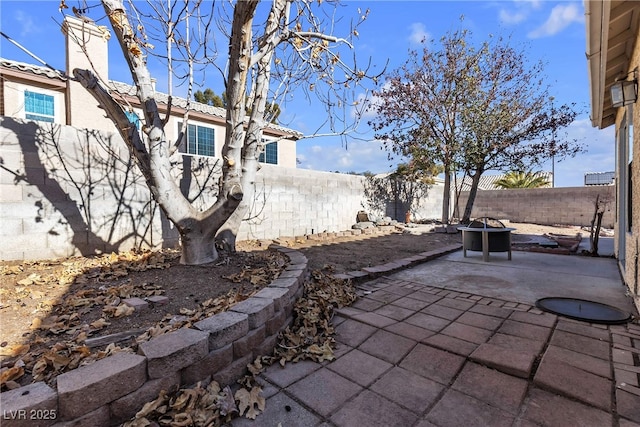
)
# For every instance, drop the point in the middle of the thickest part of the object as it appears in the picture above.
(275, 49)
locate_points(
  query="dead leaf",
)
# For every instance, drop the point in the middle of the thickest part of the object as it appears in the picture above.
(250, 401)
(123, 310)
(100, 323)
(152, 406)
(11, 374)
(14, 350)
(226, 402)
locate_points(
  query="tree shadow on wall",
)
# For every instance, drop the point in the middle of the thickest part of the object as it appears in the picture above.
(87, 187)
(395, 194)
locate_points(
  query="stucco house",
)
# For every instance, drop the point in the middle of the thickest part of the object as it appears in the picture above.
(613, 55)
(34, 92)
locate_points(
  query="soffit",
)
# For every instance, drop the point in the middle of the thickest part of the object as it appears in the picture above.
(612, 33)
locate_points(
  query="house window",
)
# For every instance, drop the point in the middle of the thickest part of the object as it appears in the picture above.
(270, 154)
(200, 140)
(38, 106)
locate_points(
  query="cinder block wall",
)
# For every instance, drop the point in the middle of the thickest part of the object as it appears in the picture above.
(546, 206)
(66, 192)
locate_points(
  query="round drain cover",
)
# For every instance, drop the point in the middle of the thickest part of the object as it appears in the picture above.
(588, 311)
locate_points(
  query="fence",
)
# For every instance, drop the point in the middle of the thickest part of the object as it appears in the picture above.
(66, 191)
(547, 206)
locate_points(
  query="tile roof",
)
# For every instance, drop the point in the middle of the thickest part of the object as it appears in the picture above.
(127, 89)
(33, 69)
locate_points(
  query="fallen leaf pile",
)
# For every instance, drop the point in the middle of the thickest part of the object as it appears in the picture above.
(59, 340)
(309, 337)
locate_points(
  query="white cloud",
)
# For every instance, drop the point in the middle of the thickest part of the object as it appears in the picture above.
(316, 149)
(358, 156)
(598, 157)
(560, 18)
(511, 18)
(418, 33)
(27, 25)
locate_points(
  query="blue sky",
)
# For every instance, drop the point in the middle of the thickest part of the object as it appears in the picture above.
(552, 31)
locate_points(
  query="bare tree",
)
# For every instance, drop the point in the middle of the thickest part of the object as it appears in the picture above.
(273, 50)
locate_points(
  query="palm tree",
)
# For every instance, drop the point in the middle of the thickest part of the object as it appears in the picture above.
(518, 179)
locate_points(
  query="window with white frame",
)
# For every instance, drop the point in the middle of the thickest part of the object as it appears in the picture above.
(39, 106)
(200, 140)
(269, 153)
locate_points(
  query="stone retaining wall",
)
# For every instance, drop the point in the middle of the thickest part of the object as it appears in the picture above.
(111, 390)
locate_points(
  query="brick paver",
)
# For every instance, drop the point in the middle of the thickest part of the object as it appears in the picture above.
(387, 346)
(360, 367)
(458, 409)
(353, 333)
(427, 321)
(409, 354)
(551, 410)
(507, 360)
(525, 330)
(493, 387)
(371, 409)
(581, 344)
(442, 311)
(467, 332)
(454, 345)
(556, 375)
(324, 391)
(407, 389)
(443, 366)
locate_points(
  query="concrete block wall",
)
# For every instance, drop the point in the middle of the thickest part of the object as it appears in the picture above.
(67, 192)
(547, 206)
(298, 202)
(110, 391)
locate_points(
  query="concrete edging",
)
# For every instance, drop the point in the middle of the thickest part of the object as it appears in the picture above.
(110, 391)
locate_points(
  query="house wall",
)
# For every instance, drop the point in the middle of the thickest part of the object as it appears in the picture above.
(547, 206)
(629, 264)
(76, 107)
(13, 97)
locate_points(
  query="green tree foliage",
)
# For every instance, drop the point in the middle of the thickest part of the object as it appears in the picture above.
(519, 179)
(209, 97)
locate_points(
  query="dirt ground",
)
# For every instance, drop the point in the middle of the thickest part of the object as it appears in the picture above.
(56, 314)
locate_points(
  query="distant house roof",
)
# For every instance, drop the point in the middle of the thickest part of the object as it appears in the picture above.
(130, 90)
(599, 178)
(487, 182)
(33, 69)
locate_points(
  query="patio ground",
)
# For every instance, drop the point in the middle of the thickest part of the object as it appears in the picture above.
(459, 342)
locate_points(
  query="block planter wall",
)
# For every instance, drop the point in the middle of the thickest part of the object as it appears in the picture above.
(111, 390)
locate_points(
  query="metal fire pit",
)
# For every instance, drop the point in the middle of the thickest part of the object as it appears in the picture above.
(486, 235)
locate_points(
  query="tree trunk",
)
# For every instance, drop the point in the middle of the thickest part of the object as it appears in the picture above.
(475, 181)
(197, 248)
(446, 196)
(152, 158)
(227, 235)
